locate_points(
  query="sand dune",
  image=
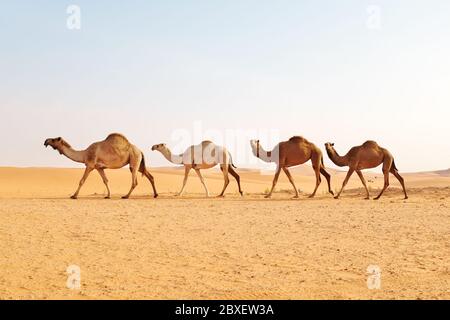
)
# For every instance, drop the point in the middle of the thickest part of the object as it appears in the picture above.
(443, 173)
(229, 248)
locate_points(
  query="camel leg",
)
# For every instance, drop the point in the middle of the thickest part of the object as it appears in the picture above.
(275, 180)
(360, 175)
(226, 180)
(327, 177)
(400, 179)
(236, 176)
(386, 168)
(105, 181)
(186, 175)
(291, 180)
(386, 184)
(349, 174)
(87, 171)
(202, 181)
(318, 180)
(152, 181)
(134, 182)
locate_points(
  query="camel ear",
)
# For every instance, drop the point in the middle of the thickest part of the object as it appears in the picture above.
(332, 144)
(58, 139)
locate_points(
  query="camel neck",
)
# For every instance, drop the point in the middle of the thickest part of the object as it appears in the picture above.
(77, 156)
(262, 154)
(176, 159)
(336, 158)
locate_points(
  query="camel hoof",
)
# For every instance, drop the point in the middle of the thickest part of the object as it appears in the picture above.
(295, 197)
(376, 198)
(220, 196)
(107, 197)
(155, 195)
(267, 196)
(242, 194)
(311, 196)
(406, 198)
(337, 197)
(125, 197)
(367, 198)
(74, 197)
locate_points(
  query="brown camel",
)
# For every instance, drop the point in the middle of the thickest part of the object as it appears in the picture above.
(112, 153)
(297, 150)
(368, 155)
(202, 156)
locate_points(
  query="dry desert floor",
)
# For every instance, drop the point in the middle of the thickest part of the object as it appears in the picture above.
(232, 248)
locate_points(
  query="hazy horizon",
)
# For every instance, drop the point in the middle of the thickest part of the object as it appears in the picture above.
(230, 71)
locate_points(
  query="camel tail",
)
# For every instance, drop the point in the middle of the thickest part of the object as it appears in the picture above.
(321, 161)
(394, 166)
(142, 165)
(231, 161)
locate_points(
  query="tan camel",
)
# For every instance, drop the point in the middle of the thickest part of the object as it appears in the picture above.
(297, 150)
(112, 153)
(202, 156)
(368, 155)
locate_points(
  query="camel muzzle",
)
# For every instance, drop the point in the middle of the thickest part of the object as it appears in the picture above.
(47, 143)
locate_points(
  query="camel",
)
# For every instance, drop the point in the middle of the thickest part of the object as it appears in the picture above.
(366, 156)
(112, 153)
(202, 156)
(297, 150)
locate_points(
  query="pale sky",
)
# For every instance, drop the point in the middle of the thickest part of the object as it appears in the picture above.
(332, 71)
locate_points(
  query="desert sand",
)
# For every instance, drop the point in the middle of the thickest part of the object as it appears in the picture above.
(232, 248)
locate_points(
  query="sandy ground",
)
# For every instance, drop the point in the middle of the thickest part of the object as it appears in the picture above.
(231, 248)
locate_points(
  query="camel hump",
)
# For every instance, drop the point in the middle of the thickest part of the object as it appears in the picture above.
(206, 143)
(297, 139)
(370, 144)
(117, 138)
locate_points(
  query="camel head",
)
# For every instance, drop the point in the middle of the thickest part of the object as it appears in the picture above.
(255, 147)
(56, 143)
(159, 147)
(329, 145)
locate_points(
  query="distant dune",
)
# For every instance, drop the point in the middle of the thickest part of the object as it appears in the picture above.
(444, 173)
